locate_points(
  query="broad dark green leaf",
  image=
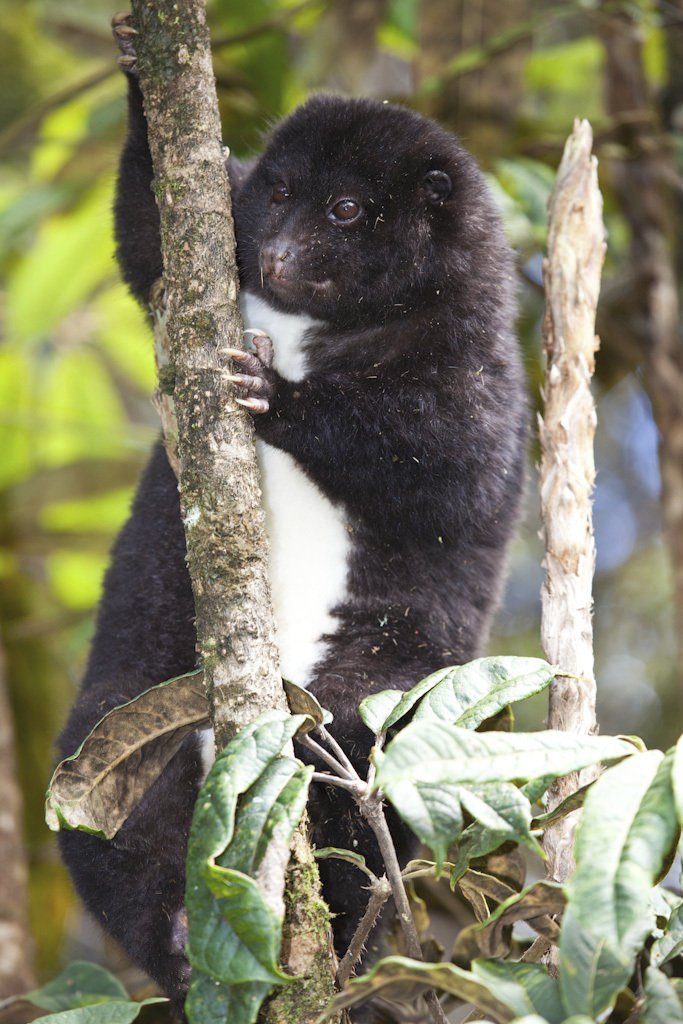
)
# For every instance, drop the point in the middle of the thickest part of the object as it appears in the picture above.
(677, 777)
(253, 927)
(376, 709)
(432, 771)
(503, 809)
(469, 694)
(662, 1002)
(209, 1002)
(252, 797)
(235, 769)
(96, 788)
(433, 812)
(111, 1012)
(435, 752)
(271, 807)
(79, 984)
(475, 842)
(626, 833)
(527, 988)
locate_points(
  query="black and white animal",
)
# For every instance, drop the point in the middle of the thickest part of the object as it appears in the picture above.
(391, 421)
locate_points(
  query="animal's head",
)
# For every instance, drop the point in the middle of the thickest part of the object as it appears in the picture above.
(358, 208)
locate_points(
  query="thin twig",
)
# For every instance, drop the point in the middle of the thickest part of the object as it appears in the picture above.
(274, 24)
(373, 812)
(357, 788)
(379, 894)
(338, 750)
(30, 121)
(372, 770)
(325, 756)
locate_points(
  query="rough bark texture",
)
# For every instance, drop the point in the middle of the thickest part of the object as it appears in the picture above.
(572, 280)
(218, 474)
(648, 191)
(16, 947)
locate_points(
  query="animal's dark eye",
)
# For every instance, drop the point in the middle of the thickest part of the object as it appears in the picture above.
(280, 193)
(345, 211)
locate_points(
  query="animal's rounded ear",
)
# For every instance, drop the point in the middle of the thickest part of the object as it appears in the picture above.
(435, 187)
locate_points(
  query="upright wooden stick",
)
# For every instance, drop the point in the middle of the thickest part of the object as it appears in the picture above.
(572, 269)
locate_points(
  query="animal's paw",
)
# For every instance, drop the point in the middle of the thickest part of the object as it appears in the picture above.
(125, 34)
(256, 375)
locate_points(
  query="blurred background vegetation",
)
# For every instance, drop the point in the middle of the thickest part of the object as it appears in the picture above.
(76, 369)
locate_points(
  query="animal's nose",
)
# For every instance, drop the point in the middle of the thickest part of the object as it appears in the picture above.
(274, 258)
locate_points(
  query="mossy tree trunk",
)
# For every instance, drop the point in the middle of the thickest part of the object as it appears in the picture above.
(216, 463)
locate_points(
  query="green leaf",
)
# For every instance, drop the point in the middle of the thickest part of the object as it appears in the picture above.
(670, 944)
(527, 988)
(435, 752)
(209, 1002)
(474, 843)
(253, 796)
(254, 929)
(677, 779)
(662, 1003)
(97, 788)
(53, 278)
(235, 769)
(271, 808)
(501, 808)
(432, 812)
(335, 853)
(410, 698)
(536, 789)
(627, 831)
(565, 807)
(469, 694)
(425, 768)
(112, 1012)
(79, 984)
(376, 709)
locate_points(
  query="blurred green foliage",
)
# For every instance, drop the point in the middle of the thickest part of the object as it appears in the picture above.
(76, 367)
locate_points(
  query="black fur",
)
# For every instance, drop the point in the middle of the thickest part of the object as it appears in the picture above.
(412, 416)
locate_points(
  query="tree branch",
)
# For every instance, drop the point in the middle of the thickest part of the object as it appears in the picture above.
(218, 474)
(16, 962)
(572, 279)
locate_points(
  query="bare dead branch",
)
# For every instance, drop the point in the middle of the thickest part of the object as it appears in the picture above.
(572, 269)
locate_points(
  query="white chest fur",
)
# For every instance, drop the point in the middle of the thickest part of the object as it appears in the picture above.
(309, 540)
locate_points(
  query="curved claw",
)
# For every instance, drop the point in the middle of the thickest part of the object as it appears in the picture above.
(258, 405)
(243, 380)
(125, 34)
(247, 360)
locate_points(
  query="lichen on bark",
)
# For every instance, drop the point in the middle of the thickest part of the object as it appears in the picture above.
(197, 319)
